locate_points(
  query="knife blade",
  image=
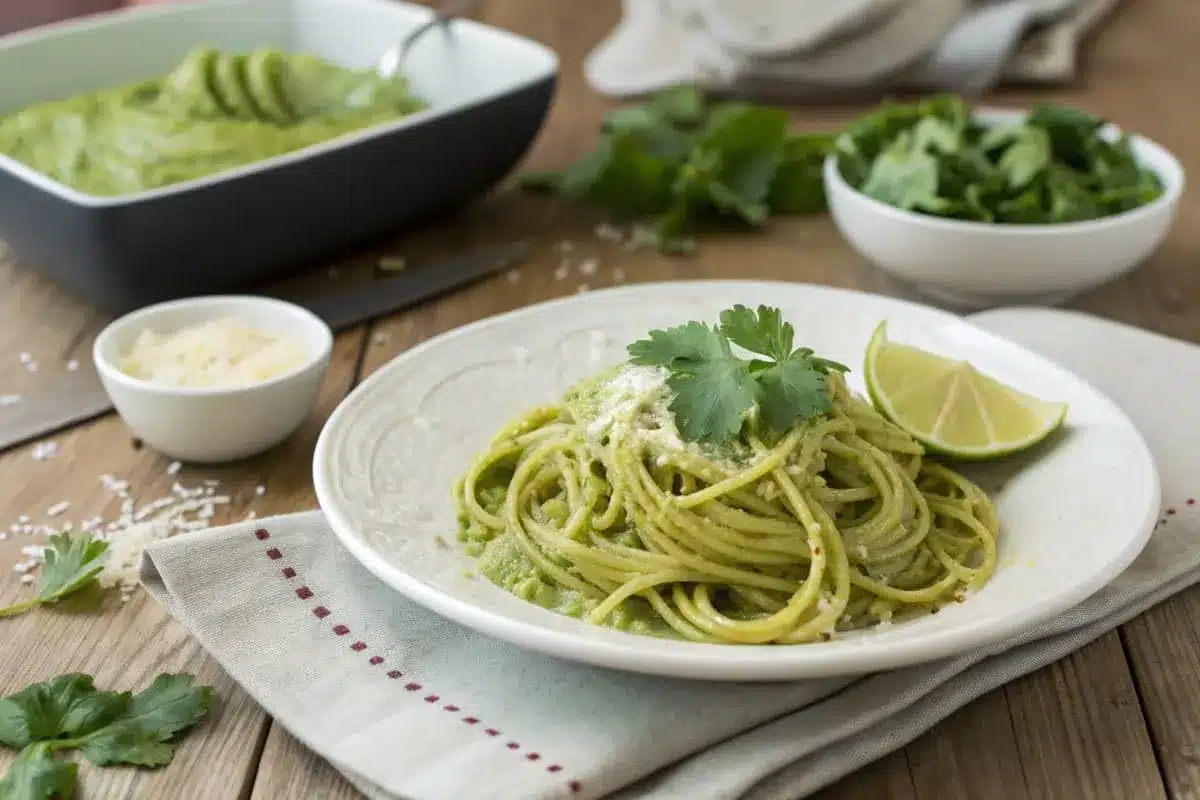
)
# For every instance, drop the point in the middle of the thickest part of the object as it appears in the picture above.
(78, 396)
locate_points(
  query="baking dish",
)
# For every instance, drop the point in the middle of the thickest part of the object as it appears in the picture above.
(488, 92)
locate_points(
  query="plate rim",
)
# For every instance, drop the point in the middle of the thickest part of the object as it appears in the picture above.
(715, 661)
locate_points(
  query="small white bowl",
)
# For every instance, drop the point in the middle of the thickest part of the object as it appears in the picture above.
(210, 425)
(979, 264)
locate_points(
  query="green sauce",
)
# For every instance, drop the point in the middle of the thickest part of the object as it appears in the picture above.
(214, 112)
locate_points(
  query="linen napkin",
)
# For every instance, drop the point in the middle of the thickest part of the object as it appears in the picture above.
(815, 50)
(406, 704)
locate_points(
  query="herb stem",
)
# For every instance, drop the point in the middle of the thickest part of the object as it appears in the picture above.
(20, 608)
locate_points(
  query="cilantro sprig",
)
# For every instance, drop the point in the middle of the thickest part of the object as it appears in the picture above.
(70, 565)
(69, 713)
(715, 388)
(681, 161)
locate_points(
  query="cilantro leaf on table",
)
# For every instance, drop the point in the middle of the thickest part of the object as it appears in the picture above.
(715, 389)
(680, 163)
(69, 712)
(38, 775)
(142, 735)
(70, 565)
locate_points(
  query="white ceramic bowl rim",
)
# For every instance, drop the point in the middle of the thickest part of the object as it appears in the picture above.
(1166, 167)
(142, 319)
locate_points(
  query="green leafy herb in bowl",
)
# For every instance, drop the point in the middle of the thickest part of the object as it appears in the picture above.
(988, 207)
(936, 157)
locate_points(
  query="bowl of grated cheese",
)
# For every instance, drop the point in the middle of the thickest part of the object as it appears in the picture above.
(213, 379)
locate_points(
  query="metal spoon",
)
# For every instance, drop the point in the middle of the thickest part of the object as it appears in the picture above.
(390, 62)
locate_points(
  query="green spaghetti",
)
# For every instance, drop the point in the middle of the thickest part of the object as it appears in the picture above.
(596, 507)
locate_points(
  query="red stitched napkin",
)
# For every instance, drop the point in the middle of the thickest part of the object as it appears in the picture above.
(409, 705)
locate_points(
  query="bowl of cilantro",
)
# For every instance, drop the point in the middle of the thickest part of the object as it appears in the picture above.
(983, 207)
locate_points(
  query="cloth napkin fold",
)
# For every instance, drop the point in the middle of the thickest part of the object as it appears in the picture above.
(811, 51)
(406, 704)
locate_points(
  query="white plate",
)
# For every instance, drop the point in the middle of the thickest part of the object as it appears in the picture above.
(1071, 519)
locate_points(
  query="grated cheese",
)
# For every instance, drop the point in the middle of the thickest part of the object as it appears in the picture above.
(221, 353)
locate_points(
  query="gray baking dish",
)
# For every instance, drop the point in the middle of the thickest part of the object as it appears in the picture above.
(488, 90)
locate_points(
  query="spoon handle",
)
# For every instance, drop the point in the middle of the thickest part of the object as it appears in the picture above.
(444, 13)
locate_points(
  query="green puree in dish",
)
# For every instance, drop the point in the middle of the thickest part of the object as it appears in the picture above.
(214, 112)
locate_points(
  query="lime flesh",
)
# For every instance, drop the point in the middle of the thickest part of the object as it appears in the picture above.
(951, 407)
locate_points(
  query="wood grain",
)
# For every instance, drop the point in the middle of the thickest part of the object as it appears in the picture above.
(1118, 719)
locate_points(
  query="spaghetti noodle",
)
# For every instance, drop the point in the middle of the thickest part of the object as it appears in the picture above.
(595, 507)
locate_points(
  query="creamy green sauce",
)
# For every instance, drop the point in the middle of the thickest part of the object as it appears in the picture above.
(214, 112)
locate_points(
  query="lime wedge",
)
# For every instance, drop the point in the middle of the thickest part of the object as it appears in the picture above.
(951, 407)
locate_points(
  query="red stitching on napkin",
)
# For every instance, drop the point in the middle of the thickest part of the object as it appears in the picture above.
(321, 612)
(1191, 501)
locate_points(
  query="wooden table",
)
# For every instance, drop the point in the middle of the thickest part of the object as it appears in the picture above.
(1119, 719)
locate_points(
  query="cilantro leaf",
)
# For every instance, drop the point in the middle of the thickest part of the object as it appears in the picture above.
(903, 176)
(38, 775)
(799, 185)
(679, 162)
(712, 398)
(764, 332)
(792, 391)
(68, 712)
(142, 735)
(70, 564)
(1026, 157)
(67, 707)
(714, 388)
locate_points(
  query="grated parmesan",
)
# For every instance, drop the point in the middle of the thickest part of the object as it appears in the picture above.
(221, 353)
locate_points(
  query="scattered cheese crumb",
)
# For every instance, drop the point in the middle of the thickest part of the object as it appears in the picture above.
(44, 450)
(9, 399)
(379, 338)
(25, 358)
(581, 288)
(563, 270)
(57, 508)
(618, 275)
(564, 246)
(72, 365)
(260, 490)
(513, 275)
(174, 467)
(589, 267)
(607, 233)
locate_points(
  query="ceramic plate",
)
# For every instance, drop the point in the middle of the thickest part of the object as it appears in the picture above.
(1073, 515)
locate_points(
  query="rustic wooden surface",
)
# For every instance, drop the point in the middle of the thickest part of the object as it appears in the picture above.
(1120, 718)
